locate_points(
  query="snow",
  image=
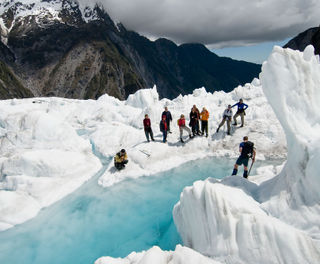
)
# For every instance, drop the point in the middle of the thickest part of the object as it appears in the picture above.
(225, 222)
(267, 219)
(51, 146)
(156, 256)
(48, 10)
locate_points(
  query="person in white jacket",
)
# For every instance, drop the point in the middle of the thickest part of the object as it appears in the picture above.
(227, 116)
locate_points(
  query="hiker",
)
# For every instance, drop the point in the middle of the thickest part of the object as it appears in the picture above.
(240, 112)
(193, 120)
(182, 126)
(120, 159)
(204, 116)
(197, 120)
(147, 127)
(247, 151)
(227, 115)
(168, 116)
(164, 128)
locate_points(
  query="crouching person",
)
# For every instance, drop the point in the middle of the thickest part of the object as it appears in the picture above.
(120, 159)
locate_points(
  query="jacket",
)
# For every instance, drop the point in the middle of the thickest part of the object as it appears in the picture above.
(168, 116)
(118, 158)
(204, 115)
(181, 122)
(146, 123)
(163, 126)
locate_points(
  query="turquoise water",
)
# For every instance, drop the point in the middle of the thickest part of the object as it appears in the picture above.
(92, 222)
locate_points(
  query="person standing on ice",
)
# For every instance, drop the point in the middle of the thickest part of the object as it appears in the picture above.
(193, 120)
(182, 126)
(164, 128)
(147, 127)
(204, 116)
(241, 107)
(120, 159)
(168, 116)
(197, 120)
(247, 151)
(227, 115)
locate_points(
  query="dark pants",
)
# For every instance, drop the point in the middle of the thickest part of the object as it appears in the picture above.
(164, 133)
(204, 126)
(148, 131)
(197, 127)
(168, 125)
(120, 165)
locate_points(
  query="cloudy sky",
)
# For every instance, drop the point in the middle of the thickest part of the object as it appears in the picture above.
(217, 23)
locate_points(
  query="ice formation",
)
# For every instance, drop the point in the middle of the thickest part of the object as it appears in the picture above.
(50, 146)
(273, 220)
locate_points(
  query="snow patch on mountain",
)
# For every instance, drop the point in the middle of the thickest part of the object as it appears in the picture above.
(45, 12)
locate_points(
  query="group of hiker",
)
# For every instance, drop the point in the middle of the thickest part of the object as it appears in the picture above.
(195, 116)
(246, 147)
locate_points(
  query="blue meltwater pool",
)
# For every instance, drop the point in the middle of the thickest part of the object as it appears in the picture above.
(92, 222)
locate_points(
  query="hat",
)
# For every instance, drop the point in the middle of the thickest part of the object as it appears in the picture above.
(123, 151)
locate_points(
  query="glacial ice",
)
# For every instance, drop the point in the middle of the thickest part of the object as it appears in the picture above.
(50, 146)
(270, 220)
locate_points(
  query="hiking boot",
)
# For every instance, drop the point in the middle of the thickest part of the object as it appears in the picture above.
(234, 124)
(218, 129)
(241, 126)
(181, 140)
(228, 133)
(190, 136)
(206, 135)
(152, 139)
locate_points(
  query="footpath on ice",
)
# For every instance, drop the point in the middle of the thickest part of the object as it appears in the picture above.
(50, 146)
(276, 221)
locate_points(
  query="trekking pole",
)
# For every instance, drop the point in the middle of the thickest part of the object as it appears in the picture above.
(250, 168)
(148, 155)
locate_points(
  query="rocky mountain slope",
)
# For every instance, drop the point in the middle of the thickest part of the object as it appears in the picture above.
(60, 48)
(309, 37)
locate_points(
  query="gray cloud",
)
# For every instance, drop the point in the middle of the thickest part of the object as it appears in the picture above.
(216, 23)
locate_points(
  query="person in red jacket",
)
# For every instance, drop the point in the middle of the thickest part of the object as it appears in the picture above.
(147, 127)
(182, 126)
(164, 128)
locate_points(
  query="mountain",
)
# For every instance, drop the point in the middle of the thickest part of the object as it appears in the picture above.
(309, 37)
(61, 48)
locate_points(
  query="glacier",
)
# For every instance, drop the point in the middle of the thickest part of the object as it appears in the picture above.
(275, 220)
(51, 146)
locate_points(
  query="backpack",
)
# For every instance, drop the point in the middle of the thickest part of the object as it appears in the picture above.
(247, 149)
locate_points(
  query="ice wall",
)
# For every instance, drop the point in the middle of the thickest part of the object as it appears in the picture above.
(236, 221)
(291, 81)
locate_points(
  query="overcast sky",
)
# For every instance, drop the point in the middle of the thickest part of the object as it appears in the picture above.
(216, 23)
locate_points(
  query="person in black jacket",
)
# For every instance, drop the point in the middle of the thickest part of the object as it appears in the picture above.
(168, 116)
(193, 120)
(247, 151)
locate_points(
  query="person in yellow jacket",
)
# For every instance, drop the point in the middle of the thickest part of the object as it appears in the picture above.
(204, 116)
(120, 159)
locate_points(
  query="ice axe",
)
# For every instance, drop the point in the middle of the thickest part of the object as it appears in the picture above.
(250, 167)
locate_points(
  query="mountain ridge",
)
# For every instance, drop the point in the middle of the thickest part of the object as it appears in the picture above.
(74, 51)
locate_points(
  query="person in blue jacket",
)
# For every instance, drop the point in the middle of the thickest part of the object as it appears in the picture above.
(241, 107)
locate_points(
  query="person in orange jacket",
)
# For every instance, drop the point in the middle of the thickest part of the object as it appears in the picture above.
(204, 116)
